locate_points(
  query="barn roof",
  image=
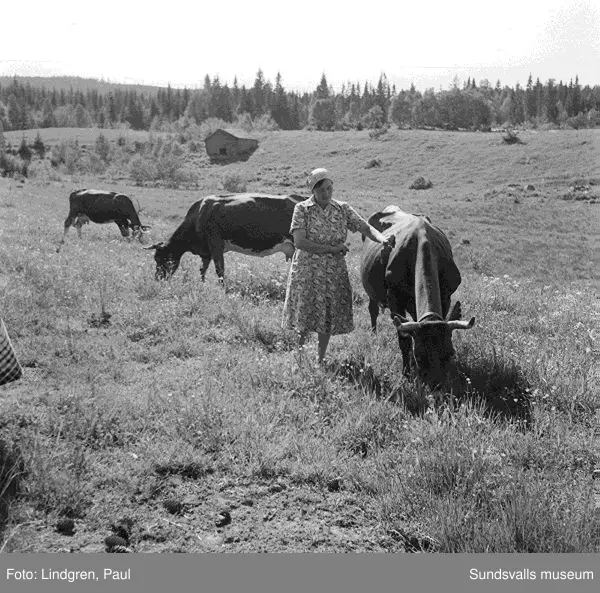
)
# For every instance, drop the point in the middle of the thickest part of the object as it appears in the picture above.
(234, 132)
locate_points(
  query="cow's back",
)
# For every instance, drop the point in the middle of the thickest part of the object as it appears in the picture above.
(411, 233)
(252, 221)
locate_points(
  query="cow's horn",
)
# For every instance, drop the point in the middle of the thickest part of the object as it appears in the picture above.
(403, 325)
(455, 313)
(461, 324)
(155, 246)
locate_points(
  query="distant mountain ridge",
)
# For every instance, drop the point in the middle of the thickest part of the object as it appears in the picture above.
(77, 84)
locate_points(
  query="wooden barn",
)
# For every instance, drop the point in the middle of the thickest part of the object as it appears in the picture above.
(230, 145)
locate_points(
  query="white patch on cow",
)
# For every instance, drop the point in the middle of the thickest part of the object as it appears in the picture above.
(286, 246)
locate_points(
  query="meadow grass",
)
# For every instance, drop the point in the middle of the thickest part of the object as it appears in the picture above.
(138, 392)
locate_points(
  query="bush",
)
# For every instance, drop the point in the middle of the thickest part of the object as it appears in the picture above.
(578, 122)
(39, 146)
(142, 170)
(322, 114)
(42, 171)
(11, 166)
(233, 183)
(265, 123)
(377, 133)
(24, 151)
(93, 163)
(67, 153)
(169, 170)
(102, 147)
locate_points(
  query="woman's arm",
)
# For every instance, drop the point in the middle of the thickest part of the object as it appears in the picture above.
(371, 232)
(301, 242)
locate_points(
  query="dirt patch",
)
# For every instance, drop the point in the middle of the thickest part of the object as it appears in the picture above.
(217, 513)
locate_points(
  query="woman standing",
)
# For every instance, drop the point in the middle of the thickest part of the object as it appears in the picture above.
(318, 295)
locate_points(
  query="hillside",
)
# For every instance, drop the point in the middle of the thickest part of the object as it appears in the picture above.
(156, 409)
(65, 83)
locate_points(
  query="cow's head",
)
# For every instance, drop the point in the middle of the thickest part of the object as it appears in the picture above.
(432, 347)
(166, 262)
(138, 231)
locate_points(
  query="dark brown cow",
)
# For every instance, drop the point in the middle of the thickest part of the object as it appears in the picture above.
(254, 224)
(417, 279)
(102, 207)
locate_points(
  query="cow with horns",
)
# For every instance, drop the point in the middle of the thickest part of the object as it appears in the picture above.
(417, 278)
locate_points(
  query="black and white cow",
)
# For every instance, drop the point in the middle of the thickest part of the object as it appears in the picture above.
(253, 224)
(102, 207)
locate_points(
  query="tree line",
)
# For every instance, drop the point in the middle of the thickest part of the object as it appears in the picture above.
(470, 105)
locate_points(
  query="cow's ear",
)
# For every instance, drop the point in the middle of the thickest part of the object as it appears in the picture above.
(376, 221)
(404, 326)
(455, 313)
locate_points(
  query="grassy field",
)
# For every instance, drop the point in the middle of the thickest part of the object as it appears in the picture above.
(149, 409)
(84, 136)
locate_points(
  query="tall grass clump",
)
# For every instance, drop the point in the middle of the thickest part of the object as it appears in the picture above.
(233, 182)
(12, 470)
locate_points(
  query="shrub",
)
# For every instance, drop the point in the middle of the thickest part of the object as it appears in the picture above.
(142, 170)
(39, 146)
(377, 133)
(233, 183)
(102, 147)
(67, 153)
(265, 123)
(24, 151)
(579, 121)
(42, 171)
(93, 163)
(11, 166)
(322, 114)
(169, 170)
(374, 118)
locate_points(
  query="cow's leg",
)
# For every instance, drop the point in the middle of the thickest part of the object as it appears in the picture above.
(68, 222)
(79, 225)
(374, 312)
(398, 306)
(123, 227)
(204, 268)
(217, 249)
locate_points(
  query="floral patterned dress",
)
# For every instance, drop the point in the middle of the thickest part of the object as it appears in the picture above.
(318, 295)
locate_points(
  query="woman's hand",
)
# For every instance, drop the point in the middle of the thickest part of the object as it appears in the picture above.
(340, 248)
(389, 244)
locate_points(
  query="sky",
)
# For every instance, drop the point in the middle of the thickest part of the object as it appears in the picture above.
(428, 43)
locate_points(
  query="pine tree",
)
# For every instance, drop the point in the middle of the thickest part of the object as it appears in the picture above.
(258, 98)
(279, 108)
(322, 90)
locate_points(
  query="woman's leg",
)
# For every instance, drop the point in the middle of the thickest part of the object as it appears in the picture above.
(323, 343)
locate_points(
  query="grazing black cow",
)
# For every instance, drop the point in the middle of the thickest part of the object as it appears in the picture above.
(102, 207)
(417, 278)
(254, 224)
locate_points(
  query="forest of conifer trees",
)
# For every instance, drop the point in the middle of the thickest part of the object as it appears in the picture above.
(470, 105)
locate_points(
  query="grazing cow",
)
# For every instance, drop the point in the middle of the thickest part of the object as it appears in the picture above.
(254, 224)
(417, 278)
(102, 207)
